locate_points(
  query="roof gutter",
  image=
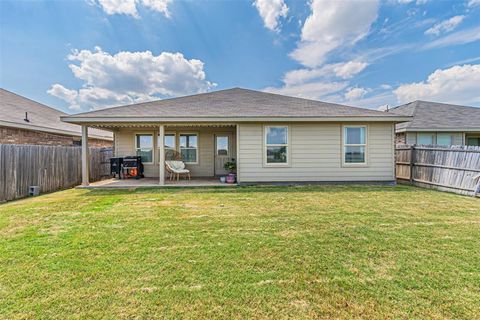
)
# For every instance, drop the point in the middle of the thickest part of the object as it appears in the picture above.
(438, 129)
(96, 120)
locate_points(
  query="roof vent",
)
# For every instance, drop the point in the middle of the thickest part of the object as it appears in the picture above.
(26, 117)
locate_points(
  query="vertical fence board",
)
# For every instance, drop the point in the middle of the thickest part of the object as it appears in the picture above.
(49, 167)
(452, 168)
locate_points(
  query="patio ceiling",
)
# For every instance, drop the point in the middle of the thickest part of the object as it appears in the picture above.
(114, 126)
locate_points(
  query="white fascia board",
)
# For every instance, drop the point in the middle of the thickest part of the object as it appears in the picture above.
(438, 130)
(91, 120)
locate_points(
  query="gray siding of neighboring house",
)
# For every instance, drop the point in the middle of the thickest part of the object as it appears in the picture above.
(125, 146)
(316, 154)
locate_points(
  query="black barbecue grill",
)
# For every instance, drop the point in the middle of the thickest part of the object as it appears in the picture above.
(133, 167)
(116, 167)
(127, 167)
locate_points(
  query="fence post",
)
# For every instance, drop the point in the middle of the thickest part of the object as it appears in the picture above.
(412, 162)
(477, 186)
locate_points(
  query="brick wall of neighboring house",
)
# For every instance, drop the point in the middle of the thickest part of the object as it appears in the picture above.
(22, 136)
(401, 138)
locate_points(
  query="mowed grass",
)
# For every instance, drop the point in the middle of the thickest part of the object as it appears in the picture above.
(255, 252)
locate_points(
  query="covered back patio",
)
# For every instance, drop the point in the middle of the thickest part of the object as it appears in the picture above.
(204, 148)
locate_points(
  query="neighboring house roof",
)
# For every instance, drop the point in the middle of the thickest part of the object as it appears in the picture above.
(41, 117)
(232, 105)
(436, 116)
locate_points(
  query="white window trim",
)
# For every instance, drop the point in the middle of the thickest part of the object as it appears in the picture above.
(265, 145)
(153, 144)
(344, 145)
(198, 145)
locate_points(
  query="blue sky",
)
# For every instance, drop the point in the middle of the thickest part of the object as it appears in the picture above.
(88, 54)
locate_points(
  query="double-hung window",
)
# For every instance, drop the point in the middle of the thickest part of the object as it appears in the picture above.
(169, 145)
(276, 145)
(444, 139)
(472, 140)
(144, 147)
(189, 147)
(425, 138)
(355, 145)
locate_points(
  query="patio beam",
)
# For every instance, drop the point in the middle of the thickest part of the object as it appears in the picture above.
(161, 160)
(85, 157)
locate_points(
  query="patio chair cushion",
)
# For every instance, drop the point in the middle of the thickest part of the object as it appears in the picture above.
(177, 166)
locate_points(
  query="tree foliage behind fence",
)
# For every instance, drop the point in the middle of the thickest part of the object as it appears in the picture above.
(49, 167)
(454, 168)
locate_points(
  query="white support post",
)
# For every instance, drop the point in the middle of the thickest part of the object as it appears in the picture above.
(237, 141)
(161, 160)
(85, 156)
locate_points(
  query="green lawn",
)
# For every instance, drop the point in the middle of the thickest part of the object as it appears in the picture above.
(277, 252)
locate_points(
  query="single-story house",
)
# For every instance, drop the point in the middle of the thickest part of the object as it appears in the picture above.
(438, 123)
(273, 138)
(24, 121)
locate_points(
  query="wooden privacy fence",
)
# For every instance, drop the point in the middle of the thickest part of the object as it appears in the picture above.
(49, 167)
(448, 168)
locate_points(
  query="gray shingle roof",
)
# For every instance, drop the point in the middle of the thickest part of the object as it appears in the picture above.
(41, 117)
(233, 103)
(434, 115)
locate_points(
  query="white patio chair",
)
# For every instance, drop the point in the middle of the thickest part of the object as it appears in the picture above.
(176, 168)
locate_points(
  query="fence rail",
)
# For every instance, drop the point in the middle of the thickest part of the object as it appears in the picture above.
(454, 168)
(49, 167)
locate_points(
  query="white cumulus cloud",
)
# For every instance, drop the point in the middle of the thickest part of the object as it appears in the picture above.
(319, 83)
(333, 24)
(129, 7)
(128, 77)
(458, 85)
(343, 70)
(349, 69)
(445, 26)
(271, 11)
(355, 93)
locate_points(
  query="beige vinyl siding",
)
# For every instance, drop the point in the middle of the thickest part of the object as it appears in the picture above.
(316, 154)
(125, 146)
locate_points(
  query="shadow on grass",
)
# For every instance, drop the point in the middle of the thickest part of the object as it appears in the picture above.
(257, 189)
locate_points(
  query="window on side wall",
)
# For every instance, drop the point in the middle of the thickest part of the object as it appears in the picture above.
(411, 138)
(472, 140)
(189, 147)
(144, 147)
(444, 139)
(355, 145)
(424, 138)
(276, 145)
